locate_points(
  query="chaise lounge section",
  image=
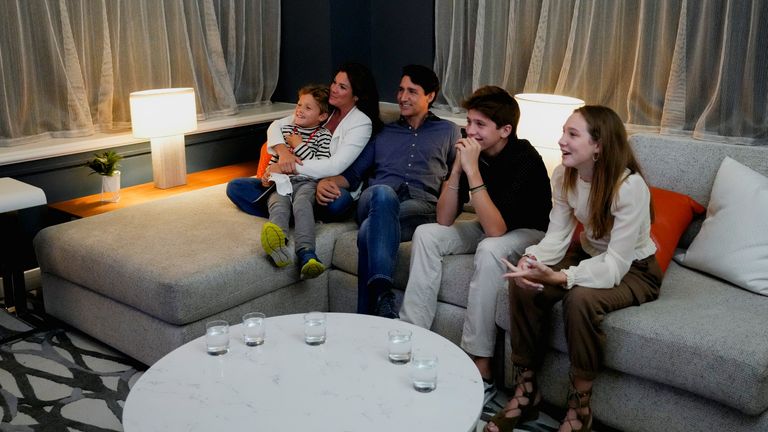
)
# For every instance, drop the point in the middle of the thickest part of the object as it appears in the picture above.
(145, 279)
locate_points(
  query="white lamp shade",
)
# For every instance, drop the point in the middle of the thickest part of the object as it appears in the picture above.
(542, 117)
(163, 112)
(541, 122)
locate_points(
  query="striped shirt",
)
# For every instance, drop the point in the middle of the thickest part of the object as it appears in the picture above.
(316, 142)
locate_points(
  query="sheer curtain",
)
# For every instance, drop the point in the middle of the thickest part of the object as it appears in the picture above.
(691, 67)
(68, 66)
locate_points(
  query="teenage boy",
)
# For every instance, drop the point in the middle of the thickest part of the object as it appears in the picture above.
(505, 180)
(308, 139)
(409, 160)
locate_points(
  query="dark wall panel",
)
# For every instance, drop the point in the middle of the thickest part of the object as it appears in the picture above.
(350, 26)
(383, 34)
(305, 46)
(402, 32)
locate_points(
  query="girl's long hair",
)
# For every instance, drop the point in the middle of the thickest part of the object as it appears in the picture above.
(606, 128)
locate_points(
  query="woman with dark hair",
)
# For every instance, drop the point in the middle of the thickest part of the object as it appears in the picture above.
(355, 116)
(612, 266)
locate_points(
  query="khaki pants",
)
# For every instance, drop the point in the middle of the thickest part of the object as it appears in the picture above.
(583, 311)
(431, 243)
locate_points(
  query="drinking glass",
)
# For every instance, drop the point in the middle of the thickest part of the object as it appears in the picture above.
(400, 346)
(314, 328)
(217, 337)
(253, 328)
(424, 371)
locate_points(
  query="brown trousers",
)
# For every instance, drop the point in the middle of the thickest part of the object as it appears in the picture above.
(583, 311)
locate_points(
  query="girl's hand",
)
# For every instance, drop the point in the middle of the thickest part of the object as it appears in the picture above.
(524, 273)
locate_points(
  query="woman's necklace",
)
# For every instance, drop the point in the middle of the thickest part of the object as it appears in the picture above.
(334, 120)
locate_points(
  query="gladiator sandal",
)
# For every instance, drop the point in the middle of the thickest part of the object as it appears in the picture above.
(527, 402)
(578, 402)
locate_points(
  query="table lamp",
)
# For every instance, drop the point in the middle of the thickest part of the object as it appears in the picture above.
(164, 116)
(541, 122)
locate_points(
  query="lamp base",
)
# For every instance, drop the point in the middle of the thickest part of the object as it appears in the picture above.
(169, 161)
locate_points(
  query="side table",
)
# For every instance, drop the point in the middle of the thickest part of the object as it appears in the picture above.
(21, 205)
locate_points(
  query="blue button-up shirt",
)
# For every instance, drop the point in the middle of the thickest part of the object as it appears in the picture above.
(414, 162)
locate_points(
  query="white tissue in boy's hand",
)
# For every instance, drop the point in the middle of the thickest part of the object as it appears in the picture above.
(282, 182)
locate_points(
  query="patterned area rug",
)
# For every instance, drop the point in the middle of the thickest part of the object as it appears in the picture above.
(59, 380)
(544, 423)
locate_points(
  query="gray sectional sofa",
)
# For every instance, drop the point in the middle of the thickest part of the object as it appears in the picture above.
(145, 279)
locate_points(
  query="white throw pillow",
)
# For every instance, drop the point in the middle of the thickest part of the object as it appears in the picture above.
(733, 241)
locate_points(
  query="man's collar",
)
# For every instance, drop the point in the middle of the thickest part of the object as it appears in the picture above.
(430, 117)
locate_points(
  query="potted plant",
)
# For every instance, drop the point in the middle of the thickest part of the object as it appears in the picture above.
(106, 165)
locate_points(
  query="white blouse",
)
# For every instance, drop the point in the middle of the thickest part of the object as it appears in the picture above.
(349, 139)
(612, 255)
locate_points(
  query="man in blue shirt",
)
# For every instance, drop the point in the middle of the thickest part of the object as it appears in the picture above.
(405, 165)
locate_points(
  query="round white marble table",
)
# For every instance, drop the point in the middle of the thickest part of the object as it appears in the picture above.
(346, 384)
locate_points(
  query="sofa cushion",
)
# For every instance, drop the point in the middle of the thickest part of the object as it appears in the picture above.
(733, 241)
(673, 212)
(179, 259)
(702, 335)
(457, 269)
(689, 166)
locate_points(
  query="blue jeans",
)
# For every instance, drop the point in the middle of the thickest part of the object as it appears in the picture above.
(243, 191)
(384, 223)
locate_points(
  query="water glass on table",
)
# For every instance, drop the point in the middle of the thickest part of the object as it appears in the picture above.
(253, 328)
(314, 328)
(424, 371)
(400, 346)
(217, 337)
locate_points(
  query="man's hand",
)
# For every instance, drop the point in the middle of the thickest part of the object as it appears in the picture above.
(327, 191)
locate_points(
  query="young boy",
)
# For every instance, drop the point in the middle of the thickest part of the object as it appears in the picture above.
(308, 140)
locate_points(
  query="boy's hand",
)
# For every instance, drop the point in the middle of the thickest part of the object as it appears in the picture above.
(265, 181)
(294, 139)
(468, 152)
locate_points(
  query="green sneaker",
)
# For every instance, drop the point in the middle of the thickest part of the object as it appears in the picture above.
(312, 269)
(274, 244)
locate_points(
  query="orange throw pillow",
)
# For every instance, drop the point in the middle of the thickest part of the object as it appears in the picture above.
(673, 212)
(264, 157)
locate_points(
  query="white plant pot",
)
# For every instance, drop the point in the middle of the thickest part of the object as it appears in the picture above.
(110, 187)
